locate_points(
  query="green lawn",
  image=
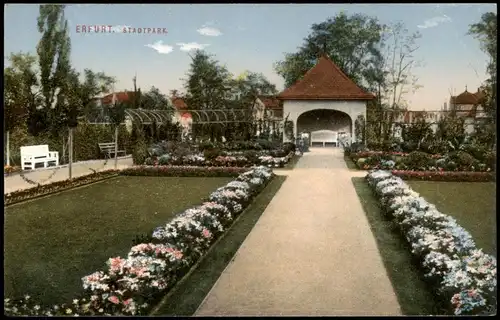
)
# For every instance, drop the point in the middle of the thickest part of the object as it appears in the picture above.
(292, 163)
(413, 293)
(473, 204)
(52, 242)
(185, 298)
(350, 164)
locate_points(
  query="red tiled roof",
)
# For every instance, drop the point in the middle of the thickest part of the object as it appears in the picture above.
(468, 98)
(325, 81)
(120, 97)
(179, 103)
(271, 102)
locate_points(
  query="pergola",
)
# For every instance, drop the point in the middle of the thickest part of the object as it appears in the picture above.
(147, 116)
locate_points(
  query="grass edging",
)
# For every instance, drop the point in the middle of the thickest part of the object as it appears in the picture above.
(189, 292)
(350, 164)
(290, 165)
(414, 295)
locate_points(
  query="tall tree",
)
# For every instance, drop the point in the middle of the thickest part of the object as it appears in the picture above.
(207, 83)
(351, 42)
(398, 64)
(55, 69)
(22, 94)
(154, 99)
(207, 87)
(486, 32)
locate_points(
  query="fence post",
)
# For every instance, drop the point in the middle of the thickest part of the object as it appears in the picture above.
(70, 155)
(116, 147)
(7, 146)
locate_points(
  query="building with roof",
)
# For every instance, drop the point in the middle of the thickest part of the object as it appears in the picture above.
(468, 105)
(184, 118)
(268, 107)
(325, 100)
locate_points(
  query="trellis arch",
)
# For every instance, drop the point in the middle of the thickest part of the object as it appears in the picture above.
(199, 116)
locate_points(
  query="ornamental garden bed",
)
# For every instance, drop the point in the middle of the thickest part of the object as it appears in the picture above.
(461, 274)
(243, 154)
(453, 166)
(87, 226)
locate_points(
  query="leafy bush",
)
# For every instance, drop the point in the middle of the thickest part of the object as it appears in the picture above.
(140, 151)
(205, 145)
(181, 150)
(265, 144)
(164, 159)
(251, 156)
(289, 147)
(436, 147)
(211, 154)
(418, 160)
(463, 160)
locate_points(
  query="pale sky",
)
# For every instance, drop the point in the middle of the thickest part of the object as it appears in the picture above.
(250, 37)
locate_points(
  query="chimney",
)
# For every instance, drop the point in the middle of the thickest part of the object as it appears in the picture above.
(478, 90)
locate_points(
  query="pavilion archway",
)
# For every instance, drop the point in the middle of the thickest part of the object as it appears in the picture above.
(325, 126)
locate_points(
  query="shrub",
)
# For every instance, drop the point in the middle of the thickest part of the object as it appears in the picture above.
(205, 145)
(140, 149)
(289, 147)
(418, 160)
(164, 159)
(463, 160)
(251, 156)
(211, 154)
(182, 171)
(181, 150)
(265, 144)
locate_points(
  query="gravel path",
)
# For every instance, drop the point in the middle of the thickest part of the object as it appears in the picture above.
(312, 252)
(44, 176)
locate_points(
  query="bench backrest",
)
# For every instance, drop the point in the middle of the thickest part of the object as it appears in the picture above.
(107, 146)
(40, 150)
(324, 136)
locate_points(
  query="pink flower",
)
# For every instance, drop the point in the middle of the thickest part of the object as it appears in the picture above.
(114, 299)
(127, 302)
(116, 264)
(178, 255)
(206, 233)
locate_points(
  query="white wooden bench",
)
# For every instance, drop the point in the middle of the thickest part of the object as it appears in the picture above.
(324, 137)
(108, 148)
(31, 155)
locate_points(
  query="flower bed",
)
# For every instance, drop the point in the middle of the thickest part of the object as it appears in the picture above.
(45, 189)
(451, 176)
(462, 274)
(130, 285)
(183, 171)
(228, 159)
(419, 161)
(8, 170)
